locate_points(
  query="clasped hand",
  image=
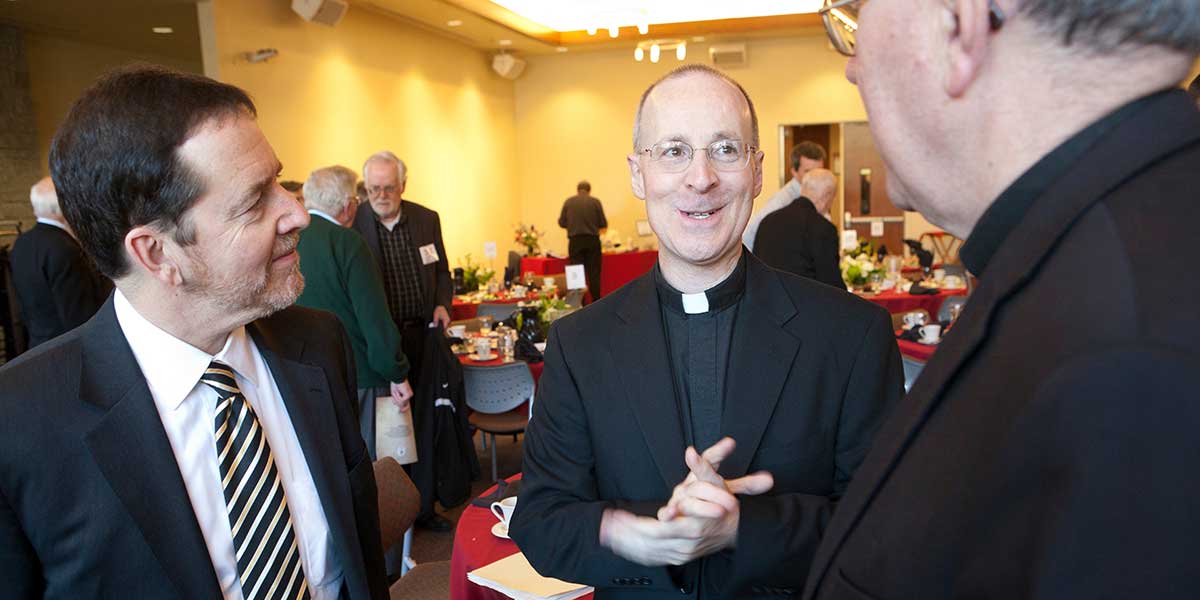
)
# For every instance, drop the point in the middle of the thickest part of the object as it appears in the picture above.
(701, 517)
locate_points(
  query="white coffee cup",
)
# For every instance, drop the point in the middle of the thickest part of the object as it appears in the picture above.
(504, 509)
(931, 334)
(914, 319)
(457, 331)
(483, 346)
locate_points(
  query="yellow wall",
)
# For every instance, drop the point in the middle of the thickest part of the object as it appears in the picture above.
(574, 118)
(336, 95)
(60, 69)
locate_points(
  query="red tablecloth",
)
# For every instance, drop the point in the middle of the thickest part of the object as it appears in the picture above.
(542, 265)
(474, 547)
(916, 350)
(898, 302)
(617, 270)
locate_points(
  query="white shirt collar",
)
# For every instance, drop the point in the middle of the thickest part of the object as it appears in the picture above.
(390, 223)
(320, 213)
(45, 221)
(171, 366)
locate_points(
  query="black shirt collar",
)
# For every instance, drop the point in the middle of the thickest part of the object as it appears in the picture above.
(719, 297)
(1006, 212)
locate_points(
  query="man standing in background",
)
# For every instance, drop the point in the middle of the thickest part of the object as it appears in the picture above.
(583, 218)
(406, 240)
(798, 238)
(341, 278)
(57, 288)
(804, 157)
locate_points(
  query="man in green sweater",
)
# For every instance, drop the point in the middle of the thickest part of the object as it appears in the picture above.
(341, 277)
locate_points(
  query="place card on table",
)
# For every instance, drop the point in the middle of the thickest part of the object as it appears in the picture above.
(576, 280)
(515, 577)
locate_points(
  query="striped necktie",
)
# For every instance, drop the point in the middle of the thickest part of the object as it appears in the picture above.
(264, 542)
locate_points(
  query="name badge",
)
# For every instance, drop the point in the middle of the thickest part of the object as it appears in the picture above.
(429, 254)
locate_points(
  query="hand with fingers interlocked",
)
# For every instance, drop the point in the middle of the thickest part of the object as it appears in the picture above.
(701, 518)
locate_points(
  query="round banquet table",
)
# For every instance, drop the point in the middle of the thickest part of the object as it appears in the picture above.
(535, 369)
(474, 547)
(461, 310)
(898, 302)
(916, 350)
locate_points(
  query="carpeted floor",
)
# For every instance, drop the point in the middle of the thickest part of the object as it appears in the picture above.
(429, 546)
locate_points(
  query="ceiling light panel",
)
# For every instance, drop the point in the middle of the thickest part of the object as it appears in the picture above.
(576, 15)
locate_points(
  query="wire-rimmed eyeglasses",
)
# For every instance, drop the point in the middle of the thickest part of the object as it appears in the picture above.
(841, 22)
(674, 156)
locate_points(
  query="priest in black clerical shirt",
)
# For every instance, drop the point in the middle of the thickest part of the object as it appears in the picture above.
(778, 381)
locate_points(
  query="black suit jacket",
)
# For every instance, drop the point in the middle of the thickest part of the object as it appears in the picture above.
(425, 227)
(57, 288)
(1049, 448)
(797, 239)
(92, 504)
(812, 371)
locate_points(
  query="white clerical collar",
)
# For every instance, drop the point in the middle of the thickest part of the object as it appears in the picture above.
(52, 222)
(320, 213)
(695, 304)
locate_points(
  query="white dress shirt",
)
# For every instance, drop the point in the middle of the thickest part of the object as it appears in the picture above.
(187, 408)
(785, 196)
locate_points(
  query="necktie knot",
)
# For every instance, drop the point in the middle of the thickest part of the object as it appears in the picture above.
(219, 377)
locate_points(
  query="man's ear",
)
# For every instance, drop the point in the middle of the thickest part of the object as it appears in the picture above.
(967, 29)
(145, 247)
(636, 177)
(756, 161)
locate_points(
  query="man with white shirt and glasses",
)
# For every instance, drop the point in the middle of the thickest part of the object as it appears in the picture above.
(197, 437)
(1046, 449)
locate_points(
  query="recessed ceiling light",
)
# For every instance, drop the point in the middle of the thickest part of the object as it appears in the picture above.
(560, 49)
(162, 30)
(698, 38)
(454, 23)
(504, 42)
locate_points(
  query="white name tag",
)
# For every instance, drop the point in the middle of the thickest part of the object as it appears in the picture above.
(429, 254)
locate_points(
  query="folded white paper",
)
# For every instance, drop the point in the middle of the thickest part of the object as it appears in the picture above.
(394, 435)
(515, 577)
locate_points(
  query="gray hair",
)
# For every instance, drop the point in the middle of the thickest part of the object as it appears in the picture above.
(330, 189)
(45, 200)
(388, 157)
(1106, 25)
(689, 70)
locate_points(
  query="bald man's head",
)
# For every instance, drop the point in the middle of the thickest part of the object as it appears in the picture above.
(45, 200)
(819, 185)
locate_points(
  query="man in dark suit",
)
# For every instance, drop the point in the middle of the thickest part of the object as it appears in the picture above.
(406, 240)
(57, 289)
(1046, 449)
(779, 380)
(197, 437)
(798, 238)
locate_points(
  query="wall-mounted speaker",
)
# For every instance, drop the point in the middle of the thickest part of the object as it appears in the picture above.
(508, 66)
(325, 12)
(727, 55)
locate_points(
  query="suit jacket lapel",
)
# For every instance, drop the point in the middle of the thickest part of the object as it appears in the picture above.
(639, 358)
(760, 360)
(131, 449)
(1163, 127)
(309, 401)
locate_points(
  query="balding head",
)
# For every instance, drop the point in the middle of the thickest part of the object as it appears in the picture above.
(685, 71)
(820, 186)
(45, 200)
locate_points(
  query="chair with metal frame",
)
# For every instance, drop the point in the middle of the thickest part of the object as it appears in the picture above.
(495, 394)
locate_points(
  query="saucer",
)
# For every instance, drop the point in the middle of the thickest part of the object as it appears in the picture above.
(933, 343)
(500, 530)
(487, 357)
